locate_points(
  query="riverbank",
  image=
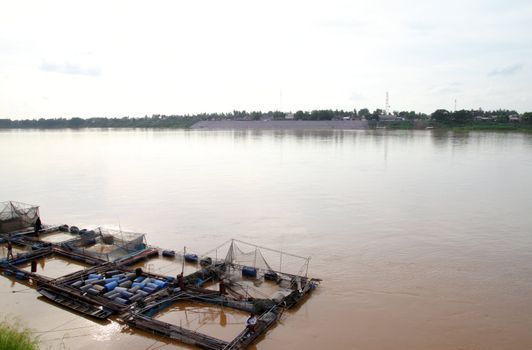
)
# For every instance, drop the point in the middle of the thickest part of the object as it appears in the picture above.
(282, 124)
(13, 336)
(301, 125)
(474, 126)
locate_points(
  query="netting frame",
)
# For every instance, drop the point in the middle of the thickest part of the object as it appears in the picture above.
(302, 270)
(17, 216)
(125, 242)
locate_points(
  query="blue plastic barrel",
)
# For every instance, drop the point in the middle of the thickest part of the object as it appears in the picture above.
(135, 297)
(120, 300)
(153, 286)
(159, 283)
(94, 275)
(126, 295)
(148, 290)
(111, 285)
(93, 291)
(249, 271)
(139, 279)
(86, 287)
(112, 294)
(21, 276)
(112, 273)
(77, 284)
(142, 293)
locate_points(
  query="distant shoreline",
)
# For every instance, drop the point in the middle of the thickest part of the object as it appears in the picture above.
(281, 125)
(306, 125)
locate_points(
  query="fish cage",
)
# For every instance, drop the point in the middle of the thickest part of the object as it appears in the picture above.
(16, 216)
(253, 272)
(257, 261)
(108, 244)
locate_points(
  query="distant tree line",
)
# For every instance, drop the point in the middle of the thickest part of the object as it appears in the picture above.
(441, 116)
(464, 117)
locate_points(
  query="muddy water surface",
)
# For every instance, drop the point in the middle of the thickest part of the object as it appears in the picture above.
(423, 239)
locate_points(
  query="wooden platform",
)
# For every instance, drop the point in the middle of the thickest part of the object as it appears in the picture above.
(76, 305)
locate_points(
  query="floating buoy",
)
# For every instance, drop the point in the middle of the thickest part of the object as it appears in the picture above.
(191, 257)
(74, 229)
(168, 253)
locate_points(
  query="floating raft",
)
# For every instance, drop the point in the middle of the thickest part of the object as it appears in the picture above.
(111, 286)
(76, 305)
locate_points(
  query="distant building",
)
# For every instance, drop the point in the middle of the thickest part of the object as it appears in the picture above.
(289, 116)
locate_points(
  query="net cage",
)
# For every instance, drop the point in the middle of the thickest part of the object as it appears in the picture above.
(108, 244)
(15, 216)
(242, 254)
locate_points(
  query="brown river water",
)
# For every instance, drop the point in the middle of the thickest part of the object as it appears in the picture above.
(423, 239)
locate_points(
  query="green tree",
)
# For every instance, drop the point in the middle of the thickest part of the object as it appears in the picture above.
(526, 117)
(462, 116)
(441, 115)
(364, 113)
(255, 115)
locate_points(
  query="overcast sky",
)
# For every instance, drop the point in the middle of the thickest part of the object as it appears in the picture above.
(118, 58)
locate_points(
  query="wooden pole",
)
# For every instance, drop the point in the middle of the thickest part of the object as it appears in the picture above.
(183, 264)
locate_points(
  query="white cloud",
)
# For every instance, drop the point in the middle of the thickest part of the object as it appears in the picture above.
(508, 70)
(137, 58)
(70, 68)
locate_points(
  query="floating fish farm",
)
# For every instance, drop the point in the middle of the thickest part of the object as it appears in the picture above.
(236, 275)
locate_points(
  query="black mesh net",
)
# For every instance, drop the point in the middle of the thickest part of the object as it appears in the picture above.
(16, 216)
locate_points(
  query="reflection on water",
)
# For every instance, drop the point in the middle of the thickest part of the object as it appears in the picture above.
(215, 321)
(54, 266)
(167, 266)
(422, 237)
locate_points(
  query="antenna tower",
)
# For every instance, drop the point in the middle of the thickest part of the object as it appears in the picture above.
(387, 105)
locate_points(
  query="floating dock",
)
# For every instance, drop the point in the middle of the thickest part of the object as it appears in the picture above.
(236, 275)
